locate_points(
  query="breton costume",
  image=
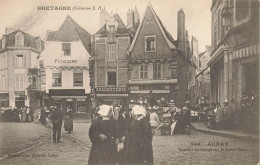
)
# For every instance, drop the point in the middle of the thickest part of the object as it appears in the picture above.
(103, 135)
(139, 146)
(68, 121)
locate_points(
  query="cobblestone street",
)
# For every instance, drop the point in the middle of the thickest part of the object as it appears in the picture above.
(75, 147)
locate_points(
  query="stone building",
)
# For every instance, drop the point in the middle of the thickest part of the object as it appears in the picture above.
(234, 63)
(64, 67)
(19, 54)
(158, 64)
(203, 77)
(110, 62)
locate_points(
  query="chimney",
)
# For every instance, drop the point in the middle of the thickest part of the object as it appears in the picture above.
(103, 16)
(9, 30)
(195, 47)
(136, 16)
(130, 18)
(181, 36)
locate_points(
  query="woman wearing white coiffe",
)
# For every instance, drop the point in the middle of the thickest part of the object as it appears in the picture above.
(103, 135)
(139, 147)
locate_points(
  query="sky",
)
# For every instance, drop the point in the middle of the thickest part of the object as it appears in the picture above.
(24, 15)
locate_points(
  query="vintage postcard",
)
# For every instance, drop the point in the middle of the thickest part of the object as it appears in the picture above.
(129, 82)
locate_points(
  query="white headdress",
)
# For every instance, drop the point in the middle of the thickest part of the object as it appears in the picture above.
(104, 110)
(139, 110)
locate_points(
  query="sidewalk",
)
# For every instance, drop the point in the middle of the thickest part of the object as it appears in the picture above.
(201, 127)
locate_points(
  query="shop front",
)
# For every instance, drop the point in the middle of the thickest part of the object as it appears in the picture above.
(152, 94)
(20, 98)
(75, 99)
(245, 79)
(117, 96)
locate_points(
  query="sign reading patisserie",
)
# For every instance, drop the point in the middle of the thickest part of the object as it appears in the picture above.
(65, 61)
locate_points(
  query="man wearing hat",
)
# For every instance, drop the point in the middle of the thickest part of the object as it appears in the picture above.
(56, 117)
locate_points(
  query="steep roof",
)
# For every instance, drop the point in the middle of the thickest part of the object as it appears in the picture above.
(29, 40)
(70, 31)
(169, 39)
(201, 54)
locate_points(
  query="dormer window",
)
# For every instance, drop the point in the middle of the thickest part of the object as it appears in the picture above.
(3, 43)
(111, 29)
(19, 39)
(111, 25)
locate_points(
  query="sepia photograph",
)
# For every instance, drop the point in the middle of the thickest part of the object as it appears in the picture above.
(129, 82)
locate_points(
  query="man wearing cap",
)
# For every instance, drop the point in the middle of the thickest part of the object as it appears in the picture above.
(103, 135)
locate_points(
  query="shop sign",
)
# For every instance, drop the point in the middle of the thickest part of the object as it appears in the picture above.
(112, 95)
(111, 89)
(19, 93)
(68, 97)
(33, 71)
(141, 91)
(80, 99)
(160, 91)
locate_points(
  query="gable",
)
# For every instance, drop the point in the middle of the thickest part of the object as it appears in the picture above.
(150, 26)
(66, 33)
(70, 31)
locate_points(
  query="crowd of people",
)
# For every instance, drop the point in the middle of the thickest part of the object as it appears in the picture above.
(14, 114)
(219, 116)
(123, 135)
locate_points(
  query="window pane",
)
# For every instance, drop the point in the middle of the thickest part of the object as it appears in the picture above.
(242, 9)
(56, 79)
(150, 43)
(111, 78)
(66, 47)
(78, 79)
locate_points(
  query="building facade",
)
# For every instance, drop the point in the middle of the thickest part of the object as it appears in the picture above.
(157, 62)
(203, 77)
(234, 66)
(19, 54)
(110, 62)
(64, 67)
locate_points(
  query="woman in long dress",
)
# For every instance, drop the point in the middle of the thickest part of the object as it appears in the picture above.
(139, 148)
(68, 122)
(23, 114)
(43, 115)
(103, 135)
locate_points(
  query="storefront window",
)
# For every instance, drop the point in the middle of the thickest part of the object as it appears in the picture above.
(57, 102)
(81, 107)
